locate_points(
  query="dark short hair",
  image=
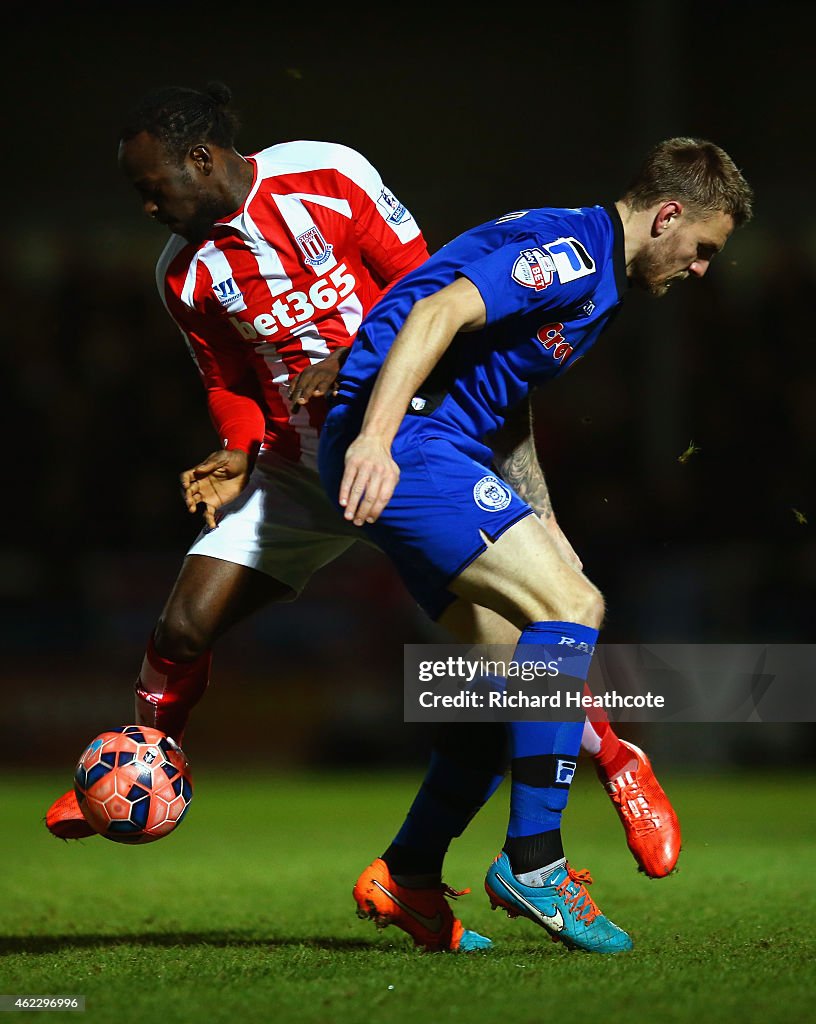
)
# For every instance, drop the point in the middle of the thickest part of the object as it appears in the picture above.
(695, 171)
(181, 117)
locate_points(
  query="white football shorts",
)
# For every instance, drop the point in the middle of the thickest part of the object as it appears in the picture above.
(281, 524)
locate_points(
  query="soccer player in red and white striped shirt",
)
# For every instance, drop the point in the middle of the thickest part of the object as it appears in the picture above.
(273, 260)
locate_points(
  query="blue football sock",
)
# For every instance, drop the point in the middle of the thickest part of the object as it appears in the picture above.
(544, 755)
(467, 766)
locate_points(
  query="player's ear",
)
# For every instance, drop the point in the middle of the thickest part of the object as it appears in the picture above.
(667, 213)
(201, 156)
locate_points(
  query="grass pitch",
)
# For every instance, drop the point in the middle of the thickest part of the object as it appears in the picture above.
(246, 913)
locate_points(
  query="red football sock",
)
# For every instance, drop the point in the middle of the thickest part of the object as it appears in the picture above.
(166, 691)
(613, 757)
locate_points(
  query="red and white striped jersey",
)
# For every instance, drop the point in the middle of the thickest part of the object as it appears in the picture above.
(284, 281)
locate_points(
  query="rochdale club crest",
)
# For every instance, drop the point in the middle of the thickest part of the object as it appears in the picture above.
(534, 268)
(314, 247)
(491, 494)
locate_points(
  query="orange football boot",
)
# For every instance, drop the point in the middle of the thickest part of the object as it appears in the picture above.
(649, 820)
(65, 820)
(423, 913)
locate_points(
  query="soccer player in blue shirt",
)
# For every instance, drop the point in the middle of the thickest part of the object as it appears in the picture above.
(437, 367)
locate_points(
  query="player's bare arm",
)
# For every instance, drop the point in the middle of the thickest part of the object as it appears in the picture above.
(319, 379)
(215, 481)
(516, 460)
(370, 473)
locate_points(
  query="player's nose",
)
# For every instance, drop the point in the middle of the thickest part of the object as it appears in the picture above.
(151, 208)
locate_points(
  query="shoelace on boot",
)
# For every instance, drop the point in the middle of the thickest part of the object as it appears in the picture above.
(580, 902)
(454, 894)
(634, 806)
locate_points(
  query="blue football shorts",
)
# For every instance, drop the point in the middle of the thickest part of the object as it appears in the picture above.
(446, 498)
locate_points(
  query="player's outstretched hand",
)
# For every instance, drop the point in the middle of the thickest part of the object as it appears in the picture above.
(214, 482)
(368, 481)
(319, 379)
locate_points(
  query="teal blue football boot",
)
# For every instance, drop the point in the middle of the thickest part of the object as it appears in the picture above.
(562, 906)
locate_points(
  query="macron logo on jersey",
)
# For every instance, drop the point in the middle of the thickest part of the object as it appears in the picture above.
(227, 293)
(533, 269)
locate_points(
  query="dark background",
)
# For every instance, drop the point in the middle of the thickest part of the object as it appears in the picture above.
(468, 115)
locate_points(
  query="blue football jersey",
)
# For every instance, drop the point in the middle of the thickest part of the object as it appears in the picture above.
(551, 280)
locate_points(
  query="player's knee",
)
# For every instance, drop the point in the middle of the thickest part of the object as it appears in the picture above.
(179, 637)
(584, 604)
(592, 607)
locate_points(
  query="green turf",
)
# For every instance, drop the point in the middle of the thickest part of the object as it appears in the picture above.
(245, 913)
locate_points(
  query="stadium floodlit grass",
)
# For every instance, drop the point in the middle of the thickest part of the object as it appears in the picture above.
(245, 913)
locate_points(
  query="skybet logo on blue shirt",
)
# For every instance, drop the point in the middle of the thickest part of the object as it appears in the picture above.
(566, 257)
(534, 269)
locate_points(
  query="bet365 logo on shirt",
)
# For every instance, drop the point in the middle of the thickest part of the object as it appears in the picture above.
(299, 307)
